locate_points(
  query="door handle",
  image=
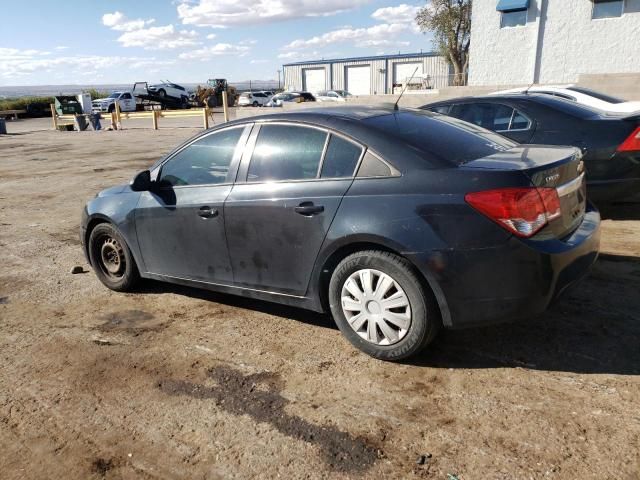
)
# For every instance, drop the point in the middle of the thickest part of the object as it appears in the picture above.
(308, 209)
(207, 212)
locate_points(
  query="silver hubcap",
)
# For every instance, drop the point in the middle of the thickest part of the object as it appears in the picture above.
(376, 307)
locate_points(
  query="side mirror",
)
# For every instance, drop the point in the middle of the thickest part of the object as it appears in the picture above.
(141, 182)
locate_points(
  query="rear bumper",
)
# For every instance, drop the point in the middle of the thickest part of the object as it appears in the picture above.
(513, 281)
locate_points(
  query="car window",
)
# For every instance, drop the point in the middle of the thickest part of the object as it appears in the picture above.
(126, 96)
(372, 166)
(598, 95)
(286, 152)
(439, 136)
(341, 158)
(443, 109)
(204, 162)
(519, 121)
(492, 116)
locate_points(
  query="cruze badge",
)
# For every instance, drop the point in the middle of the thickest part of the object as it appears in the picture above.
(552, 178)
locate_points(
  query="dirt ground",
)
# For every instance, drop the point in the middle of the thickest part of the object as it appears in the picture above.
(172, 382)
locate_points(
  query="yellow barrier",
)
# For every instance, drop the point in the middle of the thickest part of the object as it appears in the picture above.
(117, 116)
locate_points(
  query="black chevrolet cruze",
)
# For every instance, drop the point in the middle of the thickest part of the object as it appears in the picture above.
(397, 222)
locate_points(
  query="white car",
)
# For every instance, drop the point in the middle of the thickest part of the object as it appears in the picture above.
(280, 98)
(169, 89)
(581, 95)
(126, 101)
(255, 99)
(333, 96)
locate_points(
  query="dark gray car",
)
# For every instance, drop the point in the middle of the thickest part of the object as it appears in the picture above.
(396, 222)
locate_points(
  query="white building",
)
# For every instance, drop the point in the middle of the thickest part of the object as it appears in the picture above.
(367, 75)
(552, 41)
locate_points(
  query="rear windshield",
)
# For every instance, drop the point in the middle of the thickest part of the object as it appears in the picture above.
(445, 138)
(579, 110)
(598, 95)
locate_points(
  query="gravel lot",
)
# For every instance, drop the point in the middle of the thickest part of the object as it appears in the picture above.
(173, 382)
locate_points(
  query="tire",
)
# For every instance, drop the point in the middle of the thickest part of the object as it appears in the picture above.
(111, 108)
(106, 242)
(422, 312)
(255, 104)
(162, 93)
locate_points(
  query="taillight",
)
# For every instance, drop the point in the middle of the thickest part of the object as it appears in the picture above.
(632, 143)
(523, 211)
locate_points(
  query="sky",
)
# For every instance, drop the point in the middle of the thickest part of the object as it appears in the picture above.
(46, 42)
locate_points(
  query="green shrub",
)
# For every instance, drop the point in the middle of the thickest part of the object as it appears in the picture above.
(22, 102)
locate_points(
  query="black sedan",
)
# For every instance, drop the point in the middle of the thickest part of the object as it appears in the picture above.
(611, 144)
(396, 222)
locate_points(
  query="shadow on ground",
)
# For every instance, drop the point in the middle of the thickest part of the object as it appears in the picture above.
(595, 328)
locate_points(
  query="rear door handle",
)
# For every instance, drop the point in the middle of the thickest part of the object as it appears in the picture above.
(308, 209)
(207, 212)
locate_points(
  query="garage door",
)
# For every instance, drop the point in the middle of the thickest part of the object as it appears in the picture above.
(402, 72)
(313, 79)
(359, 80)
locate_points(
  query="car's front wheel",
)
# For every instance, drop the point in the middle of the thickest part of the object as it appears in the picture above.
(111, 258)
(381, 306)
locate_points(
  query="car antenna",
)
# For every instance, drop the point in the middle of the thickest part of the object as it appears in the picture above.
(526, 92)
(395, 106)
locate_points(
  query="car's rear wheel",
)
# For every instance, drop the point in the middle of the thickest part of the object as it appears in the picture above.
(381, 306)
(255, 104)
(111, 258)
(162, 93)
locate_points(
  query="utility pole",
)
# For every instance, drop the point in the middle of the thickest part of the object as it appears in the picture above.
(279, 79)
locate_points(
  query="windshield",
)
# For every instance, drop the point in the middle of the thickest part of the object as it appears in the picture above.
(114, 95)
(442, 137)
(598, 95)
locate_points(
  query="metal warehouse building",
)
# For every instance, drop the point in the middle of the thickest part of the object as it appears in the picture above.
(367, 75)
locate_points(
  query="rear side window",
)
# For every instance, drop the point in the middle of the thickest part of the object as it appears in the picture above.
(286, 152)
(442, 137)
(204, 162)
(340, 159)
(492, 116)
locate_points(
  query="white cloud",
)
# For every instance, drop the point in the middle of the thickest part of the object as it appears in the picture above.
(24, 63)
(211, 36)
(118, 21)
(61, 47)
(361, 37)
(217, 50)
(159, 38)
(224, 13)
(403, 13)
(259, 61)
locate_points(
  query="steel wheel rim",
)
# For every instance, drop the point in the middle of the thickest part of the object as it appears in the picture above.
(112, 258)
(376, 307)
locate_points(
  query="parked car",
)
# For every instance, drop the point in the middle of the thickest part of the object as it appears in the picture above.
(280, 98)
(255, 99)
(306, 96)
(611, 145)
(169, 89)
(126, 101)
(582, 95)
(333, 96)
(396, 222)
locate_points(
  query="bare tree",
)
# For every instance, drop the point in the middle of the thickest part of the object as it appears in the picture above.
(450, 22)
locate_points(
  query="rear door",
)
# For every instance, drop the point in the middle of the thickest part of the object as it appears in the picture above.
(289, 187)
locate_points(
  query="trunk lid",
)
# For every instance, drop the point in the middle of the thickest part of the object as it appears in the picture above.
(559, 168)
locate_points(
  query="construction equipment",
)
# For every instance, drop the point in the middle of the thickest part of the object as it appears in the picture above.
(211, 95)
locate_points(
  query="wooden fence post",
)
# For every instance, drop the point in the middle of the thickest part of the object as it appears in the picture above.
(225, 106)
(155, 119)
(54, 116)
(205, 117)
(118, 119)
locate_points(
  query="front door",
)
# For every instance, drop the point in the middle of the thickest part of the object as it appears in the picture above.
(497, 117)
(277, 219)
(180, 225)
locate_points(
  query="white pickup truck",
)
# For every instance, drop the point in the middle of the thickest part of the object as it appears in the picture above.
(126, 100)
